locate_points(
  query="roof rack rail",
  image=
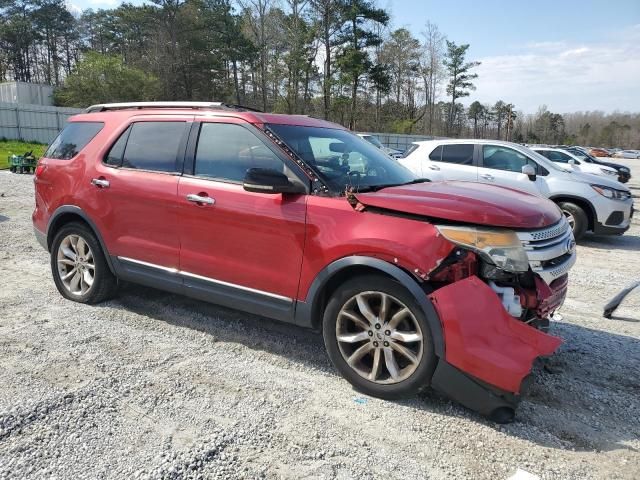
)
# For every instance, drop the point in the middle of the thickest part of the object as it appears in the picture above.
(103, 107)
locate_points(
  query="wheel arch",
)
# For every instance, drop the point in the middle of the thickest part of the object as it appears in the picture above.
(583, 203)
(71, 213)
(309, 313)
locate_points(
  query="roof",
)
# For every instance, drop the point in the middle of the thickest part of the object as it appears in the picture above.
(467, 140)
(199, 109)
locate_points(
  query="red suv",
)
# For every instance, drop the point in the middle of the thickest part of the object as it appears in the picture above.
(412, 283)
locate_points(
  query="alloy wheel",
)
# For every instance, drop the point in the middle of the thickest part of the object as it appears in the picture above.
(379, 337)
(76, 265)
(570, 219)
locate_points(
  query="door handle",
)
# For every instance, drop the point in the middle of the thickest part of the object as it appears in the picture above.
(195, 198)
(100, 182)
(434, 167)
(487, 176)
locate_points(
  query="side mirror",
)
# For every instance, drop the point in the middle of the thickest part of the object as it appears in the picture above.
(530, 172)
(268, 180)
(572, 161)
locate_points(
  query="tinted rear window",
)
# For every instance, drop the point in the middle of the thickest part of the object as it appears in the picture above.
(72, 139)
(154, 146)
(460, 154)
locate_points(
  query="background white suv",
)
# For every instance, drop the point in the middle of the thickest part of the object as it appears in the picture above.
(596, 203)
(569, 161)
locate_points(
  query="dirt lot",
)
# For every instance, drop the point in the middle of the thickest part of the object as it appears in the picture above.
(151, 385)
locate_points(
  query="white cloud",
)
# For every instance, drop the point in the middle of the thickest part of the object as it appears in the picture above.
(104, 3)
(566, 77)
(75, 10)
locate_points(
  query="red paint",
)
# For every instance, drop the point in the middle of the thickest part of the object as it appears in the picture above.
(483, 340)
(468, 202)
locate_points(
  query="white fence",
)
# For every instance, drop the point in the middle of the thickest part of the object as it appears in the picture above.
(399, 141)
(32, 123)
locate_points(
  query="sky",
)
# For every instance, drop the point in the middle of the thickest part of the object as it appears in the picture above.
(570, 55)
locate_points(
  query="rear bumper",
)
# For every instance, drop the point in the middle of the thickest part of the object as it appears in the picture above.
(41, 237)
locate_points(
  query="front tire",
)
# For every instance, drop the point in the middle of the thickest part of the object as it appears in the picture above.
(79, 267)
(576, 217)
(378, 338)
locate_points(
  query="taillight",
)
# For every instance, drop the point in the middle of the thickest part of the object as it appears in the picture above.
(39, 169)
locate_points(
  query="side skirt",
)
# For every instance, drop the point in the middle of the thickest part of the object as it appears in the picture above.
(203, 288)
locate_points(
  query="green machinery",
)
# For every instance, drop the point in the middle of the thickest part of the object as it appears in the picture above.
(22, 163)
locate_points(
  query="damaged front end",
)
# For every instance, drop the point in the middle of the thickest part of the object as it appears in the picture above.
(494, 294)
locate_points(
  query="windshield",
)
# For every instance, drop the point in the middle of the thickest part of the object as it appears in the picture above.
(342, 159)
(373, 140)
(541, 159)
(581, 155)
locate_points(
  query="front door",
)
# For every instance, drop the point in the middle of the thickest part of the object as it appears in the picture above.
(239, 247)
(502, 166)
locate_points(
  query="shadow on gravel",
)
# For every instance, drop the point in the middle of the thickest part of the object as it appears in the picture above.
(3, 218)
(623, 242)
(585, 398)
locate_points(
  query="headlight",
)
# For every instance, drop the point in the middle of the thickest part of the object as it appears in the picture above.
(500, 247)
(624, 169)
(612, 192)
(608, 172)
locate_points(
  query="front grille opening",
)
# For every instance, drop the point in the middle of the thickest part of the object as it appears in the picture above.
(554, 262)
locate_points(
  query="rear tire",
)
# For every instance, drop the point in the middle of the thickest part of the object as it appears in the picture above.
(12, 169)
(577, 218)
(79, 267)
(378, 338)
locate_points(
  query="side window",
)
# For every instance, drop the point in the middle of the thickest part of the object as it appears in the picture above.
(557, 156)
(114, 157)
(72, 139)
(460, 154)
(226, 151)
(153, 146)
(436, 155)
(503, 158)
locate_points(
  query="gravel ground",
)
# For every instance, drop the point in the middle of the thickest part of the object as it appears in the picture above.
(151, 385)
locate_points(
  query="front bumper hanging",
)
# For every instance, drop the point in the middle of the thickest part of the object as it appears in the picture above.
(488, 353)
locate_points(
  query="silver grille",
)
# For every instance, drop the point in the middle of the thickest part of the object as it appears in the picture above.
(551, 251)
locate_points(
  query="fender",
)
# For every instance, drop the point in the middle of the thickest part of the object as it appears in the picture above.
(73, 209)
(594, 215)
(304, 309)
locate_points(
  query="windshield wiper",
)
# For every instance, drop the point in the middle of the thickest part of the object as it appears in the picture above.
(375, 188)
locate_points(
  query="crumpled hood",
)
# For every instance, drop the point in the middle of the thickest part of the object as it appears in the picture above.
(467, 202)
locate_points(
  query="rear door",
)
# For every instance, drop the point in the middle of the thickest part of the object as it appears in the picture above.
(239, 246)
(501, 165)
(136, 187)
(454, 161)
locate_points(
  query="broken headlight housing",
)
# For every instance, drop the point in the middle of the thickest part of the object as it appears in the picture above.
(500, 247)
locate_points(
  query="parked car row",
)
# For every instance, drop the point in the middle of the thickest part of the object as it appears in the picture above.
(597, 203)
(412, 283)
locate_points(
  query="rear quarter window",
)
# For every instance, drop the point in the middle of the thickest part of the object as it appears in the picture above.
(73, 138)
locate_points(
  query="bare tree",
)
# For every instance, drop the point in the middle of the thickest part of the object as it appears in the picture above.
(432, 69)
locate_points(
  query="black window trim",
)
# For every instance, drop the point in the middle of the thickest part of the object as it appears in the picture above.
(85, 145)
(192, 145)
(180, 153)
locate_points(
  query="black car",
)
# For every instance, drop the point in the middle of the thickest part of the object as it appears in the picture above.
(624, 174)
